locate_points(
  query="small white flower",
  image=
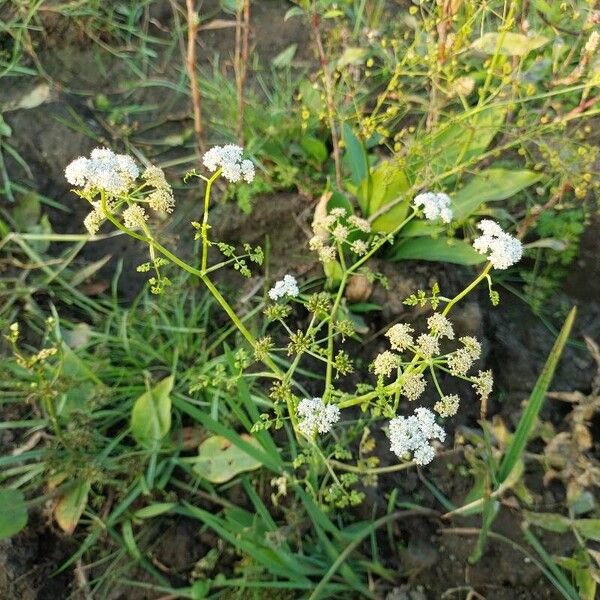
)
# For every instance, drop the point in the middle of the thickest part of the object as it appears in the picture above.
(460, 361)
(229, 159)
(316, 416)
(359, 247)
(472, 345)
(447, 406)
(501, 248)
(360, 224)
(435, 206)
(427, 345)
(412, 435)
(439, 325)
(134, 216)
(385, 363)
(103, 171)
(338, 212)
(288, 286)
(400, 336)
(413, 385)
(340, 233)
(94, 220)
(483, 384)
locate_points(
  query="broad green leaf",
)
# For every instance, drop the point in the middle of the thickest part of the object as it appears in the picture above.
(490, 185)
(387, 184)
(588, 528)
(151, 414)
(27, 211)
(355, 156)
(508, 43)
(440, 249)
(534, 404)
(71, 505)
(13, 512)
(219, 460)
(314, 148)
(549, 521)
(83, 382)
(456, 142)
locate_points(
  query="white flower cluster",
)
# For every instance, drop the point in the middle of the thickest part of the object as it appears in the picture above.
(435, 206)
(504, 249)
(229, 159)
(412, 435)
(103, 171)
(316, 416)
(288, 286)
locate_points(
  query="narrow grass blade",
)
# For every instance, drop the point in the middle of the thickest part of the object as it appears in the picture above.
(529, 417)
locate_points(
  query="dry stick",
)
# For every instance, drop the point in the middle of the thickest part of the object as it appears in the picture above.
(316, 27)
(532, 217)
(193, 22)
(242, 51)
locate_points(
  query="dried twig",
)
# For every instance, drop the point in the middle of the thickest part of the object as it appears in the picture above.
(316, 28)
(530, 220)
(242, 50)
(193, 22)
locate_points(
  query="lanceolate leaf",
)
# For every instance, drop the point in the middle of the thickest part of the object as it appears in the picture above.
(534, 404)
(490, 185)
(151, 415)
(440, 249)
(508, 43)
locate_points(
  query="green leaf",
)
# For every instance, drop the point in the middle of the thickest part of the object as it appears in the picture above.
(314, 148)
(588, 528)
(440, 249)
(490, 185)
(508, 43)
(355, 156)
(534, 404)
(5, 130)
(549, 521)
(295, 11)
(13, 512)
(351, 56)
(387, 183)
(151, 414)
(154, 510)
(457, 142)
(285, 57)
(71, 505)
(219, 460)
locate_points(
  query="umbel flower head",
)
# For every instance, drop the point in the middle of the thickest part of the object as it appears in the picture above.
(103, 171)
(288, 286)
(435, 206)
(316, 416)
(412, 435)
(501, 248)
(229, 159)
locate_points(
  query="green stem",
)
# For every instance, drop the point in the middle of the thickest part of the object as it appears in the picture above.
(204, 230)
(468, 289)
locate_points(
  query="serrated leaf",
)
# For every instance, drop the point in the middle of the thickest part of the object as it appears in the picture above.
(508, 43)
(13, 512)
(440, 249)
(488, 186)
(151, 414)
(70, 507)
(219, 460)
